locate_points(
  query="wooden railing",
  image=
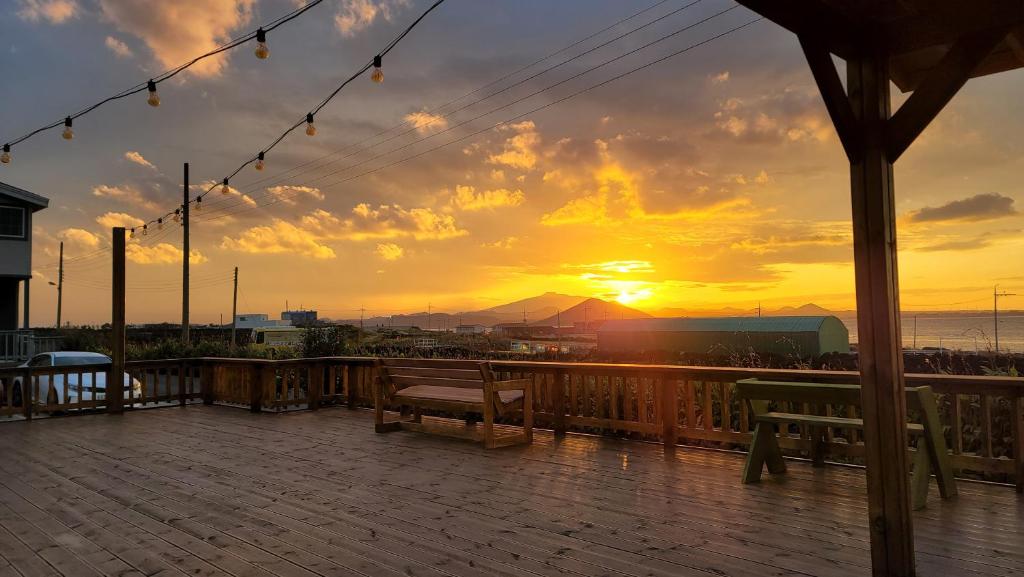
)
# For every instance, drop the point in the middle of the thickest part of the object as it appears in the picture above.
(983, 417)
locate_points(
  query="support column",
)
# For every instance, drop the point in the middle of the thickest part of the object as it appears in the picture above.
(25, 304)
(115, 380)
(880, 347)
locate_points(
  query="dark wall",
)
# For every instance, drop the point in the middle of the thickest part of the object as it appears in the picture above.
(797, 344)
(9, 303)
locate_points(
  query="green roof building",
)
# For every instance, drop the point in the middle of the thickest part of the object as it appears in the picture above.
(797, 336)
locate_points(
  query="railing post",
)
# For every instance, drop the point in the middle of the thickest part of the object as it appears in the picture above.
(350, 385)
(182, 382)
(206, 376)
(315, 385)
(669, 410)
(559, 403)
(26, 394)
(1018, 440)
(266, 376)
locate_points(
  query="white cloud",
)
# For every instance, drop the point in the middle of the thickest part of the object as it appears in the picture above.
(383, 222)
(53, 11)
(176, 34)
(118, 47)
(277, 238)
(289, 193)
(80, 237)
(355, 16)
(390, 251)
(111, 219)
(466, 198)
(520, 151)
(720, 78)
(125, 193)
(161, 253)
(426, 122)
(137, 158)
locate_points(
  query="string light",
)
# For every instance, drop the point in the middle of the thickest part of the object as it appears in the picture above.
(225, 189)
(160, 224)
(378, 74)
(6, 156)
(259, 161)
(199, 204)
(177, 215)
(132, 233)
(310, 129)
(262, 51)
(145, 229)
(154, 98)
(68, 134)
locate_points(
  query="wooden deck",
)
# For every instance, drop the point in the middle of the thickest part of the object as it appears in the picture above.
(218, 491)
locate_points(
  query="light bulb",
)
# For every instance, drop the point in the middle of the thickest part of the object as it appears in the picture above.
(6, 156)
(378, 74)
(262, 51)
(154, 98)
(145, 229)
(225, 189)
(310, 128)
(177, 215)
(68, 134)
(132, 233)
(259, 162)
(159, 224)
(199, 204)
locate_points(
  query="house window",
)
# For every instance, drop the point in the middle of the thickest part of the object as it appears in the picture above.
(12, 222)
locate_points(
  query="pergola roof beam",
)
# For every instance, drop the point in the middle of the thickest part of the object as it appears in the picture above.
(836, 101)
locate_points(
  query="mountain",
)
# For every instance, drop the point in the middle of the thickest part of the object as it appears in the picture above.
(538, 307)
(807, 310)
(593, 309)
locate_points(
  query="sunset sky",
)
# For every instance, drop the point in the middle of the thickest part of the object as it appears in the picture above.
(711, 179)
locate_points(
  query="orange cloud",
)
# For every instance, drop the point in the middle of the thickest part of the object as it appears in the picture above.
(161, 253)
(53, 11)
(279, 237)
(466, 198)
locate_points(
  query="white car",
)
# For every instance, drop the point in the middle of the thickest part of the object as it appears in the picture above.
(64, 364)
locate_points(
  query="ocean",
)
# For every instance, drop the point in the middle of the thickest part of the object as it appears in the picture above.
(967, 331)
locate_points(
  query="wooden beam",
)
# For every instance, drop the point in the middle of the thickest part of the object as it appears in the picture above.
(803, 17)
(115, 380)
(833, 93)
(880, 358)
(938, 88)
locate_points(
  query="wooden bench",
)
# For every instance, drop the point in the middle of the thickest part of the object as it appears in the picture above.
(458, 387)
(931, 456)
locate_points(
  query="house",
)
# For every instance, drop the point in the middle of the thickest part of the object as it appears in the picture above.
(470, 330)
(257, 320)
(16, 209)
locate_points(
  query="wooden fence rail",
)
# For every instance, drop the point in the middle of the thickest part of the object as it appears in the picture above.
(983, 417)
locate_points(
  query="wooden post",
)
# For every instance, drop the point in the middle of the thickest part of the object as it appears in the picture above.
(183, 369)
(206, 377)
(880, 354)
(314, 385)
(1018, 441)
(558, 406)
(27, 399)
(115, 380)
(265, 377)
(184, 260)
(670, 410)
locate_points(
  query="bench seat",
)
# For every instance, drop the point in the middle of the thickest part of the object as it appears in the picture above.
(454, 394)
(452, 387)
(825, 421)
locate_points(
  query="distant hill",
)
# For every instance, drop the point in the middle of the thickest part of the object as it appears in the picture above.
(593, 309)
(538, 307)
(807, 310)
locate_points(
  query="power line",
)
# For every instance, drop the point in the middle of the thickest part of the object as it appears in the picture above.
(168, 74)
(280, 198)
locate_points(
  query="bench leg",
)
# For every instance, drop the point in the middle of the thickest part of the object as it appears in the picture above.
(817, 447)
(488, 417)
(378, 408)
(417, 415)
(528, 414)
(919, 478)
(935, 444)
(764, 449)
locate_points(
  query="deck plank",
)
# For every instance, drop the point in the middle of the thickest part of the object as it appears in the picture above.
(318, 493)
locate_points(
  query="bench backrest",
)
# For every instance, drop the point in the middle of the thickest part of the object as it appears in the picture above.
(814, 393)
(402, 373)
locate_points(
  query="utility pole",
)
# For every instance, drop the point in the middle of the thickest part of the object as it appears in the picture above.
(995, 310)
(234, 312)
(184, 260)
(115, 394)
(362, 311)
(915, 331)
(428, 316)
(60, 283)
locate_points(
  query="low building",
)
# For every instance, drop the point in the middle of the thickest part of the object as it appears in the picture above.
(16, 209)
(798, 336)
(470, 329)
(300, 317)
(536, 347)
(258, 320)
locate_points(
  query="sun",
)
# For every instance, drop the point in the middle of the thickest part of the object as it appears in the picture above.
(628, 297)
